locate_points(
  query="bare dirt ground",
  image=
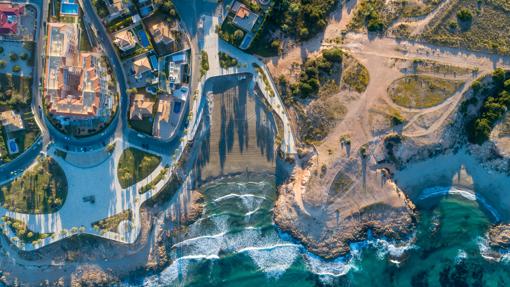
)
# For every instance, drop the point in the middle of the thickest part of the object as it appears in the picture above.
(306, 206)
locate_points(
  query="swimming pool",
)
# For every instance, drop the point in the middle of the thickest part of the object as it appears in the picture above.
(177, 107)
(146, 10)
(154, 61)
(13, 147)
(69, 7)
(143, 38)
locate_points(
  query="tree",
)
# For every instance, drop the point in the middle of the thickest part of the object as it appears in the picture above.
(465, 15)
(238, 35)
(13, 57)
(16, 69)
(375, 25)
(275, 44)
(499, 77)
(333, 55)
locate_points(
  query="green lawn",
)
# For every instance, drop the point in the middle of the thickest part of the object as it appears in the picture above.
(422, 91)
(135, 165)
(41, 189)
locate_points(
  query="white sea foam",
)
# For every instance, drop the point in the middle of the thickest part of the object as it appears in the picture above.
(489, 253)
(335, 268)
(461, 255)
(235, 195)
(395, 250)
(273, 260)
(194, 239)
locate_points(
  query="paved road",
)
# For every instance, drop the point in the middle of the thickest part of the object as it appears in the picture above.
(8, 170)
(121, 126)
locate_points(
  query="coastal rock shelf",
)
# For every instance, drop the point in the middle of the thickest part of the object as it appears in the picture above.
(326, 216)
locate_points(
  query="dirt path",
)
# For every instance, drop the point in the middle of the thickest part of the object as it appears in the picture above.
(419, 24)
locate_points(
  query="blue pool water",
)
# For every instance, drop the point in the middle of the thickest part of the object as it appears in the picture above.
(13, 146)
(154, 61)
(146, 10)
(69, 8)
(177, 107)
(143, 38)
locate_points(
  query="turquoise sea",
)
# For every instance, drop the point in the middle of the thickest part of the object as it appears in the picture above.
(235, 243)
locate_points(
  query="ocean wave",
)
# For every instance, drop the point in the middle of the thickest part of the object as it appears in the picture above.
(385, 248)
(334, 268)
(236, 195)
(273, 260)
(467, 194)
(194, 239)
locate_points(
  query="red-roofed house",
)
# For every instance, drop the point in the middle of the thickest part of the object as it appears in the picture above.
(9, 17)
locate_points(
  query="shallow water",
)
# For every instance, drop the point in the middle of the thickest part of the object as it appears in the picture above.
(236, 244)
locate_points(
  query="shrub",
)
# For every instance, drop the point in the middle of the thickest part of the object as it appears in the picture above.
(476, 86)
(204, 63)
(465, 15)
(493, 109)
(13, 57)
(238, 35)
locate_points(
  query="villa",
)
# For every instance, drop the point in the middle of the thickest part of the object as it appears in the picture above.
(9, 18)
(141, 66)
(125, 40)
(117, 7)
(140, 108)
(177, 69)
(244, 17)
(11, 121)
(74, 89)
(162, 33)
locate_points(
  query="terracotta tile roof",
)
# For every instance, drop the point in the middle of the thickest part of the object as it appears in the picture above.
(9, 17)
